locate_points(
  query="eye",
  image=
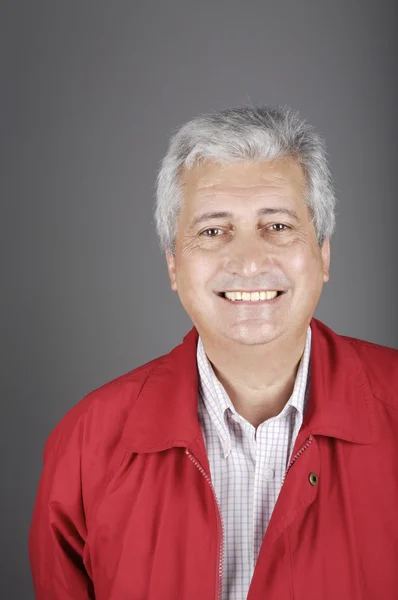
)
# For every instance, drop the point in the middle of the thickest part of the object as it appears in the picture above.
(211, 232)
(277, 227)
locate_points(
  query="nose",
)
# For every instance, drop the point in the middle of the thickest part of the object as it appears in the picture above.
(247, 255)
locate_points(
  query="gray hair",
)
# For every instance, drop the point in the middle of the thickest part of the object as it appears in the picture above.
(245, 133)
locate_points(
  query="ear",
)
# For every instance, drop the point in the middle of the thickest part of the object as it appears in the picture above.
(325, 253)
(171, 268)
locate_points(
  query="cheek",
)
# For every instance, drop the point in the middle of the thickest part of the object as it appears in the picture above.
(194, 272)
(306, 265)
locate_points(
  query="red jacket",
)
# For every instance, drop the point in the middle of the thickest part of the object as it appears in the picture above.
(126, 511)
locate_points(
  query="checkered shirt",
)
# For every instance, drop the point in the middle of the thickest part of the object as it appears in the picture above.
(246, 467)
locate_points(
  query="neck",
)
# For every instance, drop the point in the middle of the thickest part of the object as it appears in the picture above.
(259, 379)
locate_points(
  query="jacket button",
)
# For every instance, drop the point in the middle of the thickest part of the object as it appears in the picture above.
(313, 478)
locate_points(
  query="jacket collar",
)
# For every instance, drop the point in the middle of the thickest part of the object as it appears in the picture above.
(340, 405)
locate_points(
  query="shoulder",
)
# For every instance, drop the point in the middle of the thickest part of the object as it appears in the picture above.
(87, 444)
(380, 357)
(102, 413)
(380, 364)
(98, 421)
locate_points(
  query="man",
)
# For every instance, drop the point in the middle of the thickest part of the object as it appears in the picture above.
(259, 458)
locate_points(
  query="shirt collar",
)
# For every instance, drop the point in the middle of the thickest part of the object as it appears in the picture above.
(217, 401)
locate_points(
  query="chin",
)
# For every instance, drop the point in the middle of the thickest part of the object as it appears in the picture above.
(252, 335)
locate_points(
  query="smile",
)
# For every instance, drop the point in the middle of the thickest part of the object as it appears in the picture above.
(251, 296)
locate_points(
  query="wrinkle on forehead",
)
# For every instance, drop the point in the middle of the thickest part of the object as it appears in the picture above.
(276, 179)
(235, 179)
(215, 191)
(263, 179)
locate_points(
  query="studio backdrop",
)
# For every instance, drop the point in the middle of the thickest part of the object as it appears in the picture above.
(91, 92)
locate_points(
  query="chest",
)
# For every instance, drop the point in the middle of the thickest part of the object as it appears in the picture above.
(155, 530)
(336, 534)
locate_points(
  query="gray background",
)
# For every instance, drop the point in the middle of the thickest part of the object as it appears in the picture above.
(91, 92)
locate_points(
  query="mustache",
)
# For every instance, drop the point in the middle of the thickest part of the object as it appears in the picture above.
(265, 281)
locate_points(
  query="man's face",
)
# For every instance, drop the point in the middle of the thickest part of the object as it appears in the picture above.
(245, 227)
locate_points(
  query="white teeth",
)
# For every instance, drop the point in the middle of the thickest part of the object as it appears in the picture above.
(252, 296)
(270, 295)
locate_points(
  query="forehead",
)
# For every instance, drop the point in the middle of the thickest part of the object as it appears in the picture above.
(213, 183)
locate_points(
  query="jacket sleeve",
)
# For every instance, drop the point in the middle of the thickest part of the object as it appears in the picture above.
(58, 528)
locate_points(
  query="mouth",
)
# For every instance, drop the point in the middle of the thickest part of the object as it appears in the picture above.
(259, 296)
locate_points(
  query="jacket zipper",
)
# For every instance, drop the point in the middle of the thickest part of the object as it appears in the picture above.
(219, 521)
(299, 452)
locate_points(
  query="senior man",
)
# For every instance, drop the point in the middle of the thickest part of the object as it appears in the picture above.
(259, 458)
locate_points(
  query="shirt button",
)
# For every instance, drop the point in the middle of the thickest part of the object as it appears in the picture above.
(268, 474)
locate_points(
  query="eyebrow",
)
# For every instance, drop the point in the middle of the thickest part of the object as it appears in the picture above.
(228, 215)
